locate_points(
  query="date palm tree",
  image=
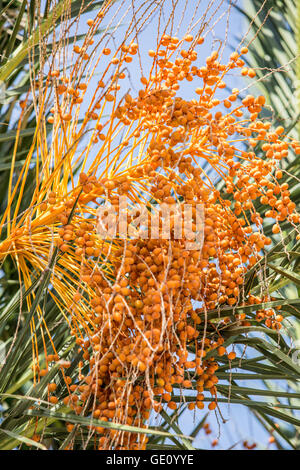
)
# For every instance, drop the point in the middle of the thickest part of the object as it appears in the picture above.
(263, 356)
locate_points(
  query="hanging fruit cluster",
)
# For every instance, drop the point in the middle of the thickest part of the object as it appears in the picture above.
(143, 310)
